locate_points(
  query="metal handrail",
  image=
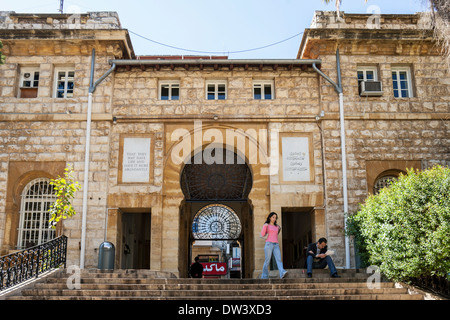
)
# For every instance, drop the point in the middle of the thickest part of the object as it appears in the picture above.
(435, 284)
(25, 264)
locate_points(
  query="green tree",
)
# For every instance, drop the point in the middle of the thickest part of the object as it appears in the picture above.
(440, 21)
(405, 228)
(2, 57)
(64, 189)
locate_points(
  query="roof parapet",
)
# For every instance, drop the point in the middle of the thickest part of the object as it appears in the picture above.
(329, 20)
(48, 21)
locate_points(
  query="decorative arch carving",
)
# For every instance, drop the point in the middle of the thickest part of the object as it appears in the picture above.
(227, 179)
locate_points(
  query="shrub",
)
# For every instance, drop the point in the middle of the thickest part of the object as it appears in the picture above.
(64, 189)
(405, 228)
(2, 57)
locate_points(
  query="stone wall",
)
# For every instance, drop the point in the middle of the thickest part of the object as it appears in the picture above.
(375, 20)
(136, 94)
(40, 136)
(137, 108)
(382, 133)
(91, 20)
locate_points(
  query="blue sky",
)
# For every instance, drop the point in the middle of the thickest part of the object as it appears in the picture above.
(222, 27)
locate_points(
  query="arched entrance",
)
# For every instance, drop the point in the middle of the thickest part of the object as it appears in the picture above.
(216, 209)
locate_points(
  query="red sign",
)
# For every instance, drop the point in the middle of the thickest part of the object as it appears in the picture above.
(214, 268)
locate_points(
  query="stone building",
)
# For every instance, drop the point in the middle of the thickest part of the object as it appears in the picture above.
(188, 155)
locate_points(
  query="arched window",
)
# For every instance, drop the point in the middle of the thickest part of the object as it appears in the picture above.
(382, 182)
(37, 196)
(385, 179)
(216, 221)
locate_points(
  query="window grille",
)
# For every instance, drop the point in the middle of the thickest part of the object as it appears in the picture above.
(383, 182)
(34, 227)
(216, 222)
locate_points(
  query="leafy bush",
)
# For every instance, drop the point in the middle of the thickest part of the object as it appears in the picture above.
(64, 189)
(2, 57)
(405, 228)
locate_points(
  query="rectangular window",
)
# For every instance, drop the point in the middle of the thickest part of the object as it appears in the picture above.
(263, 90)
(367, 74)
(169, 90)
(64, 82)
(401, 82)
(216, 90)
(368, 83)
(29, 82)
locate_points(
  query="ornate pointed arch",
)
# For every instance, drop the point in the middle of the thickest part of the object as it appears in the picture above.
(228, 177)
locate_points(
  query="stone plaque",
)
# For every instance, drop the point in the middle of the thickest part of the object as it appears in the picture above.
(296, 154)
(136, 160)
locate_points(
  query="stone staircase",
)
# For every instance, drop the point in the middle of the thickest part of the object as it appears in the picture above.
(150, 285)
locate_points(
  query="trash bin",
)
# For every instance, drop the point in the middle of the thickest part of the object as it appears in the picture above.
(106, 255)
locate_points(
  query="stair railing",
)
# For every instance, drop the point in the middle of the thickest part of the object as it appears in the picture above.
(435, 284)
(23, 265)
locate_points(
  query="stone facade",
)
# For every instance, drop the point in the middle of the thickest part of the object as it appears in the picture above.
(40, 136)
(384, 134)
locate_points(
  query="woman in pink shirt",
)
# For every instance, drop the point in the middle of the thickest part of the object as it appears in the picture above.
(271, 229)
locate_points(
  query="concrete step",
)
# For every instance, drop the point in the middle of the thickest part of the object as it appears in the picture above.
(209, 286)
(151, 285)
(142, 273)
(214, 298)
(210, 292)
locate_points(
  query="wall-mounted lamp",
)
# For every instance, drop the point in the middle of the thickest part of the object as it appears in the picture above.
(114, 120)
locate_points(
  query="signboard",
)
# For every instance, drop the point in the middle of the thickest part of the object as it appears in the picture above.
(296, 159)
(136, 155)
(214, 268)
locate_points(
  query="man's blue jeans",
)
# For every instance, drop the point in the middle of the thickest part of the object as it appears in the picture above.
(310, 264)
(269, 249)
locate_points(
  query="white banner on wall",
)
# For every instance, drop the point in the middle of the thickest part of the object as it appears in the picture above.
(295, 157)
(136, 160)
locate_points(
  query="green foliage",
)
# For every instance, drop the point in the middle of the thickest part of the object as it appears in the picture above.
(64, 189)
(405, 229)
(2, 57)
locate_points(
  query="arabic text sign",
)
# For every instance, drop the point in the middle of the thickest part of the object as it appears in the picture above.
(295, 158)
(214, 268)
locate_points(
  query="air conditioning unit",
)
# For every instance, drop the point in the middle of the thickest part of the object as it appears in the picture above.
(370, 88)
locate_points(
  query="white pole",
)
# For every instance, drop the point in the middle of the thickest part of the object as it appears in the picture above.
(338, 87)
(344, 177)
(86, 181)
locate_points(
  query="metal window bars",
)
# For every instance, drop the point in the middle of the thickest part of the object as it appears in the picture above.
(36, 199)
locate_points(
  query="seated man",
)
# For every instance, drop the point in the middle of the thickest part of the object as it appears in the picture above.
(318, 250)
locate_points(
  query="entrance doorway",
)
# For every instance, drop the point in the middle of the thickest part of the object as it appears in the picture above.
(216, 216)
(216, 231)
(220, 258)
(297, 234)
(136, 240)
